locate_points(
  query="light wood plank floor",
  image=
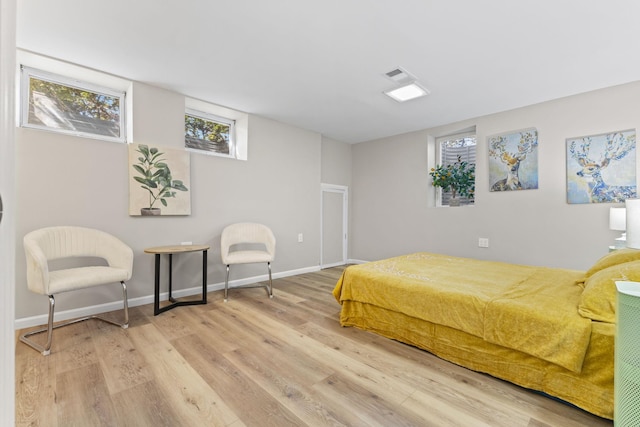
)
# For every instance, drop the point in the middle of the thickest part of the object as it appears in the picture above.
(260, 362)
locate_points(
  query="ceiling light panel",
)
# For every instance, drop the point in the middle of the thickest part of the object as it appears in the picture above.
(407, 92)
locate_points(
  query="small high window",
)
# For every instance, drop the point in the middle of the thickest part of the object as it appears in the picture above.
(60, 104)
(209, 133)
(455, 149)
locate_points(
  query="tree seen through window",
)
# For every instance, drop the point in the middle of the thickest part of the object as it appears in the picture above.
(208, 134)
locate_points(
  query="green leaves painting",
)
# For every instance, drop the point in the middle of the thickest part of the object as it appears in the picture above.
(155, 176)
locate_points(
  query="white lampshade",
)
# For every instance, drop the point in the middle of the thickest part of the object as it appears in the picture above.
(617, 219)
(633, 223)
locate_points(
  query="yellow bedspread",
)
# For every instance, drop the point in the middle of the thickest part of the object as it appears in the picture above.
(529, 309)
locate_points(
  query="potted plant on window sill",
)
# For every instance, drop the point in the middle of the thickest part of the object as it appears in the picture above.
(458, 178)
(156, 179)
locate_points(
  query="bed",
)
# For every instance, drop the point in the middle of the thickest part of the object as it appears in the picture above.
(546, 329)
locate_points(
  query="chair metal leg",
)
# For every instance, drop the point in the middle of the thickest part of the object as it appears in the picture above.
(46, 349)
(270, 288)
(226, 285)
(125, 304)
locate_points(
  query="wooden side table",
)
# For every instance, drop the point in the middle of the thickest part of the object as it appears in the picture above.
(170, 250)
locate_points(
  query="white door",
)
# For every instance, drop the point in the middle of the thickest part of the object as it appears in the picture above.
(7, 227)
(334, 225)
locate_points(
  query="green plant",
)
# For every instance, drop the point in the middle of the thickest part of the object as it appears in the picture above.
(458, 178)
(156, 176)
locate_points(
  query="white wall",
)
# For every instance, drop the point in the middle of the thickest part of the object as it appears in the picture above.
(336, 162)
(391, 188)
(70, 180)
(65, 180)
(336, 170)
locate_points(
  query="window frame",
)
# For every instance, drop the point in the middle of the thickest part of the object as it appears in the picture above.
(216, 119)
(25, 89)
(439, 155)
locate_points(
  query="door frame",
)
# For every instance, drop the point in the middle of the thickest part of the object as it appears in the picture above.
(8, 21)
(344, 190)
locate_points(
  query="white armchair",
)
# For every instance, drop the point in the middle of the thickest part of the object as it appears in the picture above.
(46, 244)
(245, 243)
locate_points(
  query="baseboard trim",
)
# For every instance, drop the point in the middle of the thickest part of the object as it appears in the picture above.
(356, 261)
(27, 322)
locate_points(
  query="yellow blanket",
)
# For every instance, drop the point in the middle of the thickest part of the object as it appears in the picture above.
(529, 309)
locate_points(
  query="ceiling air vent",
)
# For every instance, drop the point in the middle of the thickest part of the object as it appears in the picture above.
(407, 86)
(400, 76)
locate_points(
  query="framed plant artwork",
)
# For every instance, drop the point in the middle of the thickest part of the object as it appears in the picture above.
(513, 160)
(601, 168)
(159, 181)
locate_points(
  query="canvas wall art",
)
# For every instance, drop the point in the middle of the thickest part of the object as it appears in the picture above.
(601, 168)
(159, 181)
(513, 160)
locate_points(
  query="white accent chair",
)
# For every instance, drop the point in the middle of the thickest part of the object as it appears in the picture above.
(51, 243)
(245, 243)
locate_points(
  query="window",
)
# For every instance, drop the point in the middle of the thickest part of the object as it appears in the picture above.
(452, 149)
(210, 133)
(56, 103)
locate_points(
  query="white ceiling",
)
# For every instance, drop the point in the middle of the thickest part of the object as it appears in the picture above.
(320, 64)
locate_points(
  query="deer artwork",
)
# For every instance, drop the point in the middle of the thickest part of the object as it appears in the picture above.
(616, 147)
(497, 149)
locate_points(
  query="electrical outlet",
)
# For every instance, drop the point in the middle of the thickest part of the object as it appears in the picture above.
(483, 242)
(300, 238)
(186, 243)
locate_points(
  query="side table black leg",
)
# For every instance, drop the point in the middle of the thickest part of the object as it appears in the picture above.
(171, 278)
(156, 299)
(173, 302)
(204, 277)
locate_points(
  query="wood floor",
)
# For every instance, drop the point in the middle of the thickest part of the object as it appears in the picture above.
(258, 362)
